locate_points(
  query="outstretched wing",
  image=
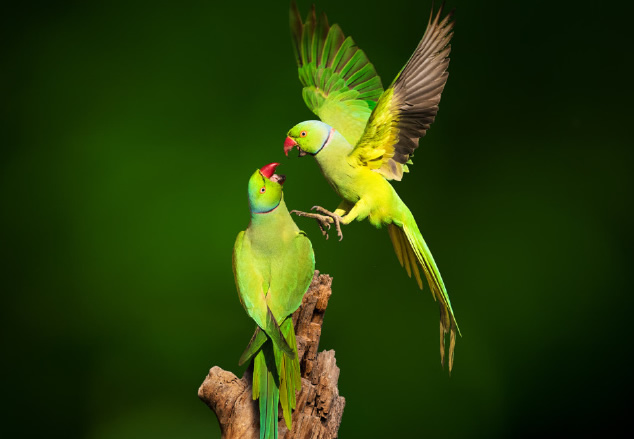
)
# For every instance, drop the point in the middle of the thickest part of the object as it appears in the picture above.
(340, 85)
(408, 107)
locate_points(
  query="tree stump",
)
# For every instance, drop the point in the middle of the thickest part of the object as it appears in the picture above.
(319, 406)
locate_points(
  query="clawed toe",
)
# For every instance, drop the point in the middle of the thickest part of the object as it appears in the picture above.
(333, 217)
(337, 220)
(323, 221)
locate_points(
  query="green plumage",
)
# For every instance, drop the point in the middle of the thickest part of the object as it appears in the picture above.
(273, 265)
(265, 388)
(289, 372)
(368, 137)
(340, 84)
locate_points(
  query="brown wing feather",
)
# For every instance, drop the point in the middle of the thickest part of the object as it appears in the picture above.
(419, 86)
(408, 107)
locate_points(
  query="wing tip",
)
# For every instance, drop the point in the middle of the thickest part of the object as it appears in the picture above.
(284, 346)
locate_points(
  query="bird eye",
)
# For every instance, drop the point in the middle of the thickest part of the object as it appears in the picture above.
(302, 134)
(262, 189)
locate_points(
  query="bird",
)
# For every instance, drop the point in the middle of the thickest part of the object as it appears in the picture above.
(273, 265)
(366, 136)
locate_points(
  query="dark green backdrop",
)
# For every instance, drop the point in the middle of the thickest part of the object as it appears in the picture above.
(129, 130)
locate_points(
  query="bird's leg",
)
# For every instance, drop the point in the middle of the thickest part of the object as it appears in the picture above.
(341, 215)
(323, 221)
(343, 208)
(334, 217)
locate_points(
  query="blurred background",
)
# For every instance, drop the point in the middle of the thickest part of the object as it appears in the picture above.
(129, 131)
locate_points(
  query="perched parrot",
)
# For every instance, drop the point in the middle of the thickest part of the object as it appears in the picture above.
(367, 136)
(273, 264)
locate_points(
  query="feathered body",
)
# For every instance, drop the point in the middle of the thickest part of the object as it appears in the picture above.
(367, 136)
(356, 183)
(273, 264)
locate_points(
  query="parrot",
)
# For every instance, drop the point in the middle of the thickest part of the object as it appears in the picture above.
(366, 136)
(273, 265)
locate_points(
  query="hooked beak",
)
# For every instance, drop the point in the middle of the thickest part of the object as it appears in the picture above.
(268, 171)
(289, 143)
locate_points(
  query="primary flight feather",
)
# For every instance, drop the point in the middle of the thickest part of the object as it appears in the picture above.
(367, 135)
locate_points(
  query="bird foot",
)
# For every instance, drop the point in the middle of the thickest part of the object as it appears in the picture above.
(334, 218)
(323, 221)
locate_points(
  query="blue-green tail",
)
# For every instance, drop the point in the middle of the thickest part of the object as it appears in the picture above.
(276, 378)
(266, 388)
(289, 372)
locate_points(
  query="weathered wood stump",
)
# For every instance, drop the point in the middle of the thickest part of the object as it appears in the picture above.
(319, 406)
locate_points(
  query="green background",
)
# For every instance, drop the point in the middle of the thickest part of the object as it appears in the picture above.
(130, 129)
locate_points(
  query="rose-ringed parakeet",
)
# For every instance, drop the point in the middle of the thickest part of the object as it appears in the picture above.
(367, 136)
(273, 264)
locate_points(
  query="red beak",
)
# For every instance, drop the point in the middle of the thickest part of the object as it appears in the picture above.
(289, 143)
(269, 170)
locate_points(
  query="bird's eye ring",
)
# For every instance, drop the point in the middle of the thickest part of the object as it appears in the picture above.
(302, 134)
(262, 189)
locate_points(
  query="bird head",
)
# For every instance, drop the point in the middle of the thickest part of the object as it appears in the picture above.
(265, 189)
(309, 137)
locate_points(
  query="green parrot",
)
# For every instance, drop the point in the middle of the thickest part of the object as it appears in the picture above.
(273, 265)
(367, 136)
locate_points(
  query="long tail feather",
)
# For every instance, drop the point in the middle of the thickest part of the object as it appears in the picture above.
(266, 388)
(290, 379)
(410, 247)
(414, 266)
(276, 379)
(396, 242)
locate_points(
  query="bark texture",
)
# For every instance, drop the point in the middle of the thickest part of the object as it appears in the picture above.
(319, 406)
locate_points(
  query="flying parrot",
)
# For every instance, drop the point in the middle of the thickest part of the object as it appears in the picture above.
(367, 136)
(273, 265)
